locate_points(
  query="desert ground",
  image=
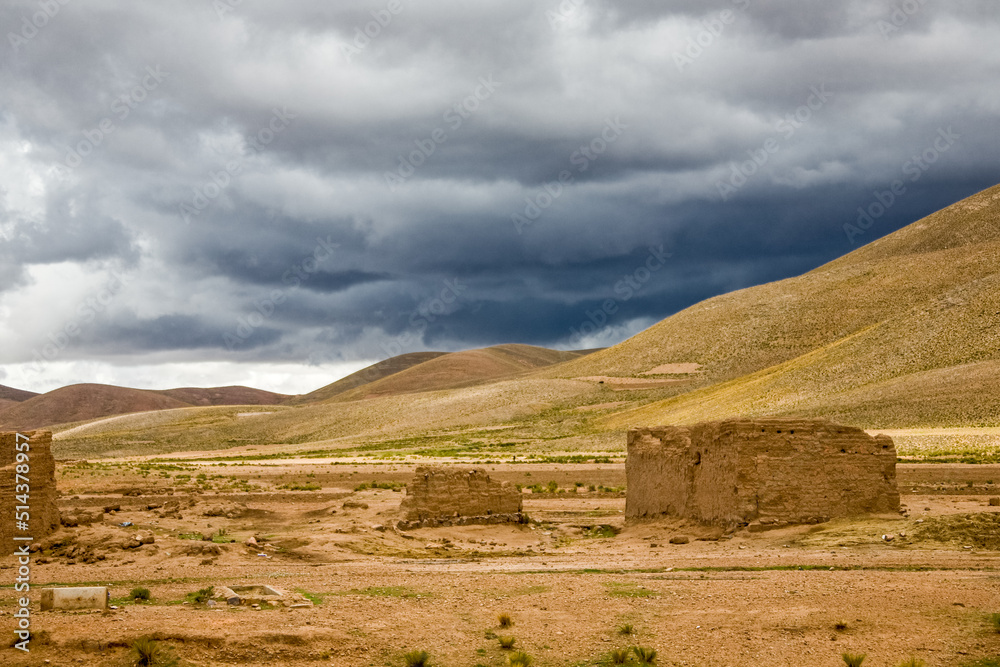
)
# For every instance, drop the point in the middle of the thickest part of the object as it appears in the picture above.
(919, 584)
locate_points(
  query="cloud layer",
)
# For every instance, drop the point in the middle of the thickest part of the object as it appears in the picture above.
(322, 183)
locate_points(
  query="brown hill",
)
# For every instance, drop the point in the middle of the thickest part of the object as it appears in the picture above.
(80, 402)
(224, 396)
(16, 395)
(376, 371)
(905, 330)
(463, 369)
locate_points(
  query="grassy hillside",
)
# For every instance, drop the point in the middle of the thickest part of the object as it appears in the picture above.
(366, 375)
(905, 331)
(934, 263)
(462, 369)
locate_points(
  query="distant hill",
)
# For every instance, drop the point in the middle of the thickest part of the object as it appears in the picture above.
(17, 395)
(225, 396)
(82, 402)
(462, 369)
(79, 402)
(366, 375)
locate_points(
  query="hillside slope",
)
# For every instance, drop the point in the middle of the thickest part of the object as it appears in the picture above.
(224, 396)
(376, 371)
(80, 402)
(903, 331)
(937, 258)
(15, 395)
(463, 369)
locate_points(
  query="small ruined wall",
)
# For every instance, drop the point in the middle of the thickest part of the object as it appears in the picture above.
(444, 492)
(770, 471)
(43, 513)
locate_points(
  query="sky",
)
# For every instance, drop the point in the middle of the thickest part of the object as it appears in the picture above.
(214, 192)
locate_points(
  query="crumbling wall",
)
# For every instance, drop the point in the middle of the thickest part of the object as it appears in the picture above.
(41, 473)
(770, 471)
(446, 492)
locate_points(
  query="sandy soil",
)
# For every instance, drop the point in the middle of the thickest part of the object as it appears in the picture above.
(570, 579)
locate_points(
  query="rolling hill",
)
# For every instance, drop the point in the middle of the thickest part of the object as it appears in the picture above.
(904, 331)
(15, 395)
(366, 375)
(82, 402)
(462, 369)
(224, 396)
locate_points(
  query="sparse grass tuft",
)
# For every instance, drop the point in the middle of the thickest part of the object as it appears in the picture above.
(202, 595)
(505, 620)
(147, 652)
(995, 621)
(853, 659)
(519, 659)
(301, 486)
(626, 629)
(913, 662)
(644, 654)
(140, 594)
(840, 625)
(506, 642)
(619, 656)
(417, 659)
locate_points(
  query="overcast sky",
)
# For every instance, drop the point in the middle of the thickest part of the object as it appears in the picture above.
(275, 194)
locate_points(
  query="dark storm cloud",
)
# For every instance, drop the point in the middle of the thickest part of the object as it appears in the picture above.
(465, 173)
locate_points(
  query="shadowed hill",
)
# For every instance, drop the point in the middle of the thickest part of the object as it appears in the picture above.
(15, 395)
(462, 369)
(377, 371)
(80, 402)
(930, 261)
(905, 330)
(224, 396)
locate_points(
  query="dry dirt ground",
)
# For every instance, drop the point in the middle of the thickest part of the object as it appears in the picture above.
(570, 580)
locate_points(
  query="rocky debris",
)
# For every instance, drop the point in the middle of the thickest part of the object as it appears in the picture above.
(995, 501)
(353, 505)
(257, 595)
(230, 511)
(112, 508)
(680, 539)
(203, 549)
(72, 519)
(490, 520)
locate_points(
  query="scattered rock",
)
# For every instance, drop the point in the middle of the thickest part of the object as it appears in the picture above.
(680, 539)
(995, 501)
(354, 505)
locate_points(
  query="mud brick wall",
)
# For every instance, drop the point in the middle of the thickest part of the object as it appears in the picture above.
(771, 471)
(445, 492)
(44, 513)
